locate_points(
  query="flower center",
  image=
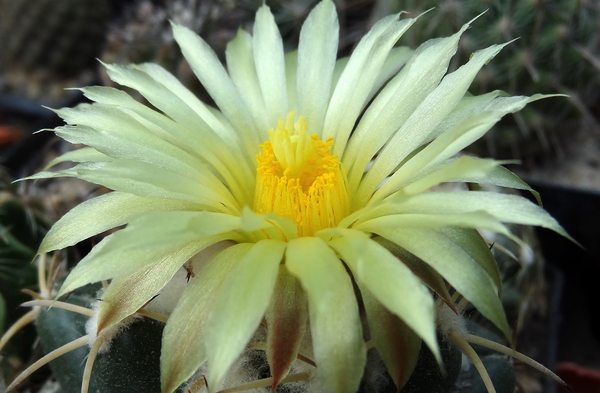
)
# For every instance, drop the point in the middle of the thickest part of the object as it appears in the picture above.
(298, 178)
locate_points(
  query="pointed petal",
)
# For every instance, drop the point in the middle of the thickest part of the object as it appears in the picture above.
(201, 141)
(463, 166)
(396, 343)
(118, 135)
(147, 180)
(214, 78)
(418, 127)
(452, 141)
(358, 78)
(473, 243)
(287, 317)
(501, 177)
(476, 219)
(240, 64)
(334, 320)
(506, 208)
(317, 53)
(216, 124)
(270, 65)
(391, 283)
(102, 213)
(456, 266)
(424, 159)
(184, 336)
(146, 239)
(397, 101)
(240, 306)
(127, 294)
(428, 276)
(167, 94)
(85, 154)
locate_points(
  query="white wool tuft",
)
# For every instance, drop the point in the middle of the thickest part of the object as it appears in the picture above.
(448, 321)
(91, 327)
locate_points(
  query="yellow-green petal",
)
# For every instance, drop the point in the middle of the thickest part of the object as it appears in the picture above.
(150, 237)
(127, 294)
(316, 61)
(457, 266)
(270, 64)
(240, 305)
(183, 338)
(335, 323)
(102, 213)
(391, 283)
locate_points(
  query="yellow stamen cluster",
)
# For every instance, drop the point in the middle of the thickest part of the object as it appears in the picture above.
(298, 178)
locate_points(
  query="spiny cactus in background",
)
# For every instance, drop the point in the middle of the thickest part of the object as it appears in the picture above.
(558, 51)
(44, 43)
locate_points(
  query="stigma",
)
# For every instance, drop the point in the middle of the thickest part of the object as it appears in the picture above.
(298, 178)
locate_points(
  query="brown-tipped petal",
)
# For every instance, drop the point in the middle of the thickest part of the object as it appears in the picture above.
(396, 343)
(286, 320)
(127, 294)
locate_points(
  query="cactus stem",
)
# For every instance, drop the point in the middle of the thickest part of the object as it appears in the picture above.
(89, 364)
(514, 354)
(58, 304)
(471, 354)
(24, 320)
(80, 342)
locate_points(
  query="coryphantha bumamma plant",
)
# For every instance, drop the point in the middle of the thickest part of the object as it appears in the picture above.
(304, 202)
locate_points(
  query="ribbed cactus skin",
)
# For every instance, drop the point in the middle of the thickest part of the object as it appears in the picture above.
(556, 43)
(59, 36)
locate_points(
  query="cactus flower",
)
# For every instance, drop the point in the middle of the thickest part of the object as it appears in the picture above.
(308, 193)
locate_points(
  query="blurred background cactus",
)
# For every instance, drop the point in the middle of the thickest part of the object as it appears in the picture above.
(45, 44)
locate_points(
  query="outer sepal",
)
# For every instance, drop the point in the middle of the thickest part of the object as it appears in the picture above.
(287, 317)
(396, 343)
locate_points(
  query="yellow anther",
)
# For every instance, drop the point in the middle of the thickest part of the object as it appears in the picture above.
(298, 178)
